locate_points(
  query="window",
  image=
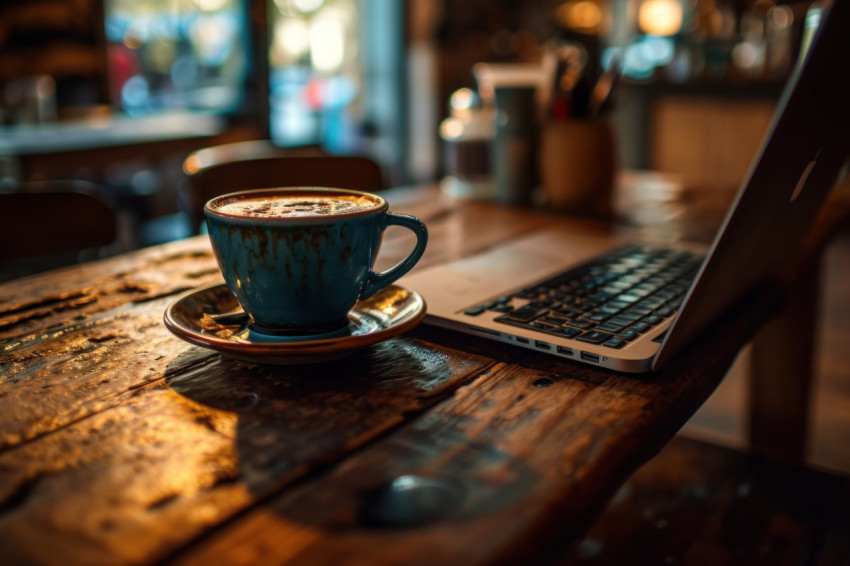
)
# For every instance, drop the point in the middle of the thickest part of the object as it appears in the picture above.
(336, 76)
(176, 54)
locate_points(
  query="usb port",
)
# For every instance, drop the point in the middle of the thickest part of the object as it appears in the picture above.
(587, 356)
(522, 340)
(566, 351)
(543, 345)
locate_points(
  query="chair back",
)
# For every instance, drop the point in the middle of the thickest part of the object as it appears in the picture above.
(240, 166)
(51, 221)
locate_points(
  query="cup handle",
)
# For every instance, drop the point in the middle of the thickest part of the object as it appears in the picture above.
(377, 281)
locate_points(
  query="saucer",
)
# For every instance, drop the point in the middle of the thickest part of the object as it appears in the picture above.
(192, 317)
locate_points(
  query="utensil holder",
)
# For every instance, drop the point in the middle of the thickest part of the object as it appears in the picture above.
(577, 167)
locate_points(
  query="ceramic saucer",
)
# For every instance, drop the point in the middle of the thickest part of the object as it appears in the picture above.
(201, 318)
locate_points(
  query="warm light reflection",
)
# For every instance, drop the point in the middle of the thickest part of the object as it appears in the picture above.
(581, 15)
(131, 41)
(746, 55)
(388, 301)
(307, 6)
(451, 129)
(210, 5)
(782, 17)
(327, 45)
(660, 17)
(291, 39)
(192, 165)
(462, 99)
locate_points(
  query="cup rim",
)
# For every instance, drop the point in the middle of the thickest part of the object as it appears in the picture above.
(382, 205)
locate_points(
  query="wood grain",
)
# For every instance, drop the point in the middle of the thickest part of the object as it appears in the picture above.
(151, 430)
(122, 444)
(535, 452)
(157, 460)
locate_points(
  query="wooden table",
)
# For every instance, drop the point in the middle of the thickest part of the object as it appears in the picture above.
(120, 443)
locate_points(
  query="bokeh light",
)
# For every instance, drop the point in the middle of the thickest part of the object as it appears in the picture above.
(660, 17)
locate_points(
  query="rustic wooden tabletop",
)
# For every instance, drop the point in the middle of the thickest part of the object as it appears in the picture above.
(121, 443)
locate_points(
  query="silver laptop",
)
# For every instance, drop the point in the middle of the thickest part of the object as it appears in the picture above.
(631, 308)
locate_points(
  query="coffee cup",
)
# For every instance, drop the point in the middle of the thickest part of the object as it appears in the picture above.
(299, 258)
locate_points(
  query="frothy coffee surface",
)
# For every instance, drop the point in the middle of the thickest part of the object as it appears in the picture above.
(297, 206)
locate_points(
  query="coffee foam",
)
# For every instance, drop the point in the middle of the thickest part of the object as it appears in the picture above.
(297, 206)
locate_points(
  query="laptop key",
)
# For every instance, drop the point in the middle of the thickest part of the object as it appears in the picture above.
(639, 310)
(600, 297)
(611, 308)
(630, 316)
(614, 343)
(567, 312)
(652, 319)
(527, 313)
(622, 321)
(617, 298)
(652, 302)
(594, 337)
(627, 335)
(639, 327)
(569, 332)
(610, 327)
(474, 311)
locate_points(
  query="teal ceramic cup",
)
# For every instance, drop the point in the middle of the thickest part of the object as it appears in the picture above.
(299, 258)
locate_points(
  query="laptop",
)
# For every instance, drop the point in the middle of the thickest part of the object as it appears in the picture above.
(629, 307)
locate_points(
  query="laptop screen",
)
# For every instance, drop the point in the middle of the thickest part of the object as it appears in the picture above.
(807, 144)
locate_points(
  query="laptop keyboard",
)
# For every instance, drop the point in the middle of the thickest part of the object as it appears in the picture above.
(609, 301)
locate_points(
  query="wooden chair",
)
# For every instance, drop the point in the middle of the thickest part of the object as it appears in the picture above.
(45, 226)
(259, 164)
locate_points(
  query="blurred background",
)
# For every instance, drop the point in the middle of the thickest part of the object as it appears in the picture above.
(117, 93)
(159, 78)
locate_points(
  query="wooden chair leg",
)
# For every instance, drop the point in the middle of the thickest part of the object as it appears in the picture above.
(782, 368)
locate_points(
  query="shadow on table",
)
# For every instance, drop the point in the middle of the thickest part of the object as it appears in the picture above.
(299, 421)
